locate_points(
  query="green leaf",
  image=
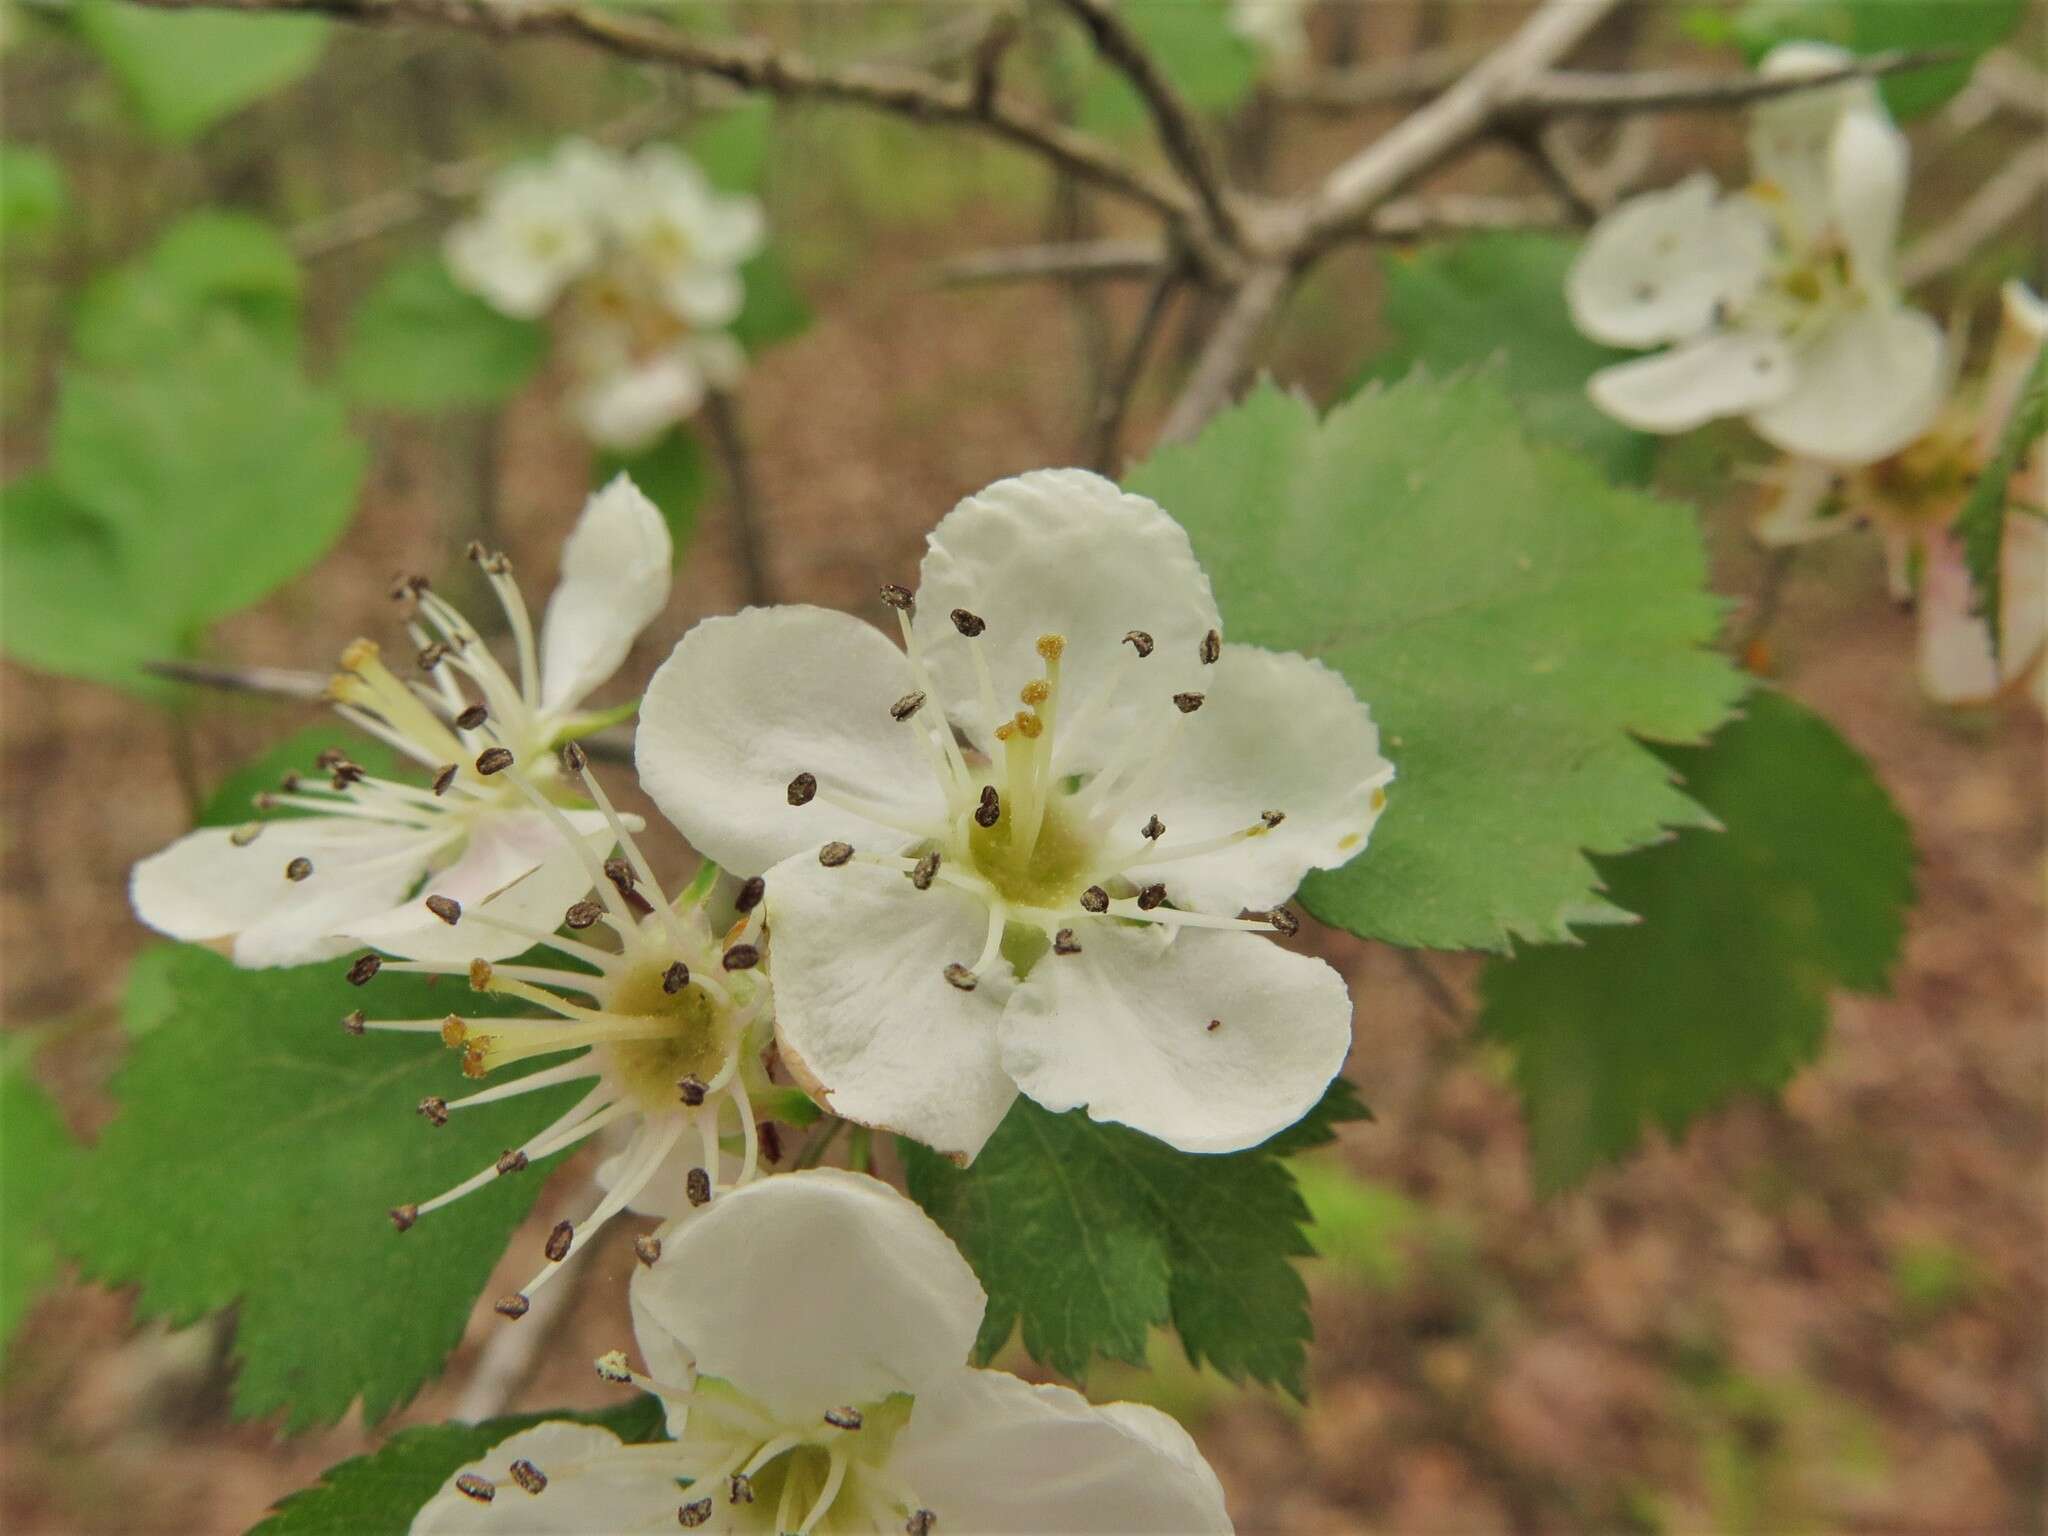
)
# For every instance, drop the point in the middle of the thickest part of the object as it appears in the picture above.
(1467, 301)
(1513, 621)
(732, 147)
(257, 1152)
(219, 471)
(39, 1156)
(183, 73)
(378, 1494)
(418, 342)
(671, 472)
(1191, 41)
(1964, 27)
(31, 193)
(206, 263)
(1723, 987)
(1981, 523)
(1091, 1235)
(774, 310)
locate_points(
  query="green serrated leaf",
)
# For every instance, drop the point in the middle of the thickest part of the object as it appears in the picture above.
(417, 342)
(207, 263)
(31, 194)
(672, 473)
(1723, 987)
(257, 1152)
(1981, 523)
(1964, 27)
(1502, 295)
(378, 1494)
(185, 72)
(38, 1154)
(1514, 622)
(1091, 1235)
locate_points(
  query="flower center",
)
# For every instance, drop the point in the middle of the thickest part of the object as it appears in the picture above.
(695, 1041)
(1051, 872)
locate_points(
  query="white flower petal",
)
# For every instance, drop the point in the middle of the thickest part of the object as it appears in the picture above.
(746, 703)
(1956, 665)
(1063, 551)
(595, 1483)
(629, 408)
(1867, 163)
(1660, 266)
(1123, 1028)
(811, 1290)
(1724, 374)
(996, 1456)
(1790, 137)
(863, 1009)
(1279, 732)
(615, 579)
(730, 229)
(205, 890)
(1860, 390)
(531, 237)
(704, 295)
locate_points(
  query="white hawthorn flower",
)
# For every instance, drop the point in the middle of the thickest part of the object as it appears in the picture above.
(538, 229)
(1778, 303)
(807, 1335)
(664, 1014)
(1039, 847)
(291, 890)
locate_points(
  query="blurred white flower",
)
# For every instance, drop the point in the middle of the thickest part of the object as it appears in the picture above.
(639, 258)
(1277, 28)
(1779, 302)
(1074, 902)
(295, 889)
(807, 1335)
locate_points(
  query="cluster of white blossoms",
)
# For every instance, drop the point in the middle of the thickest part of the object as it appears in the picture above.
(637, 258)
(1778, 303)
(1042, 847)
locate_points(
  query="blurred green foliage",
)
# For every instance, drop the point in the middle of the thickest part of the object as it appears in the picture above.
(182, 73)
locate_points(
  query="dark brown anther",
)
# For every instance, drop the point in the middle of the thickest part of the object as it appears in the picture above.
(1063, 943)
(365, 967)
(482, 1489)
(1284, 922)
(969, 624)
(906, 706)
(446, 777)
(246, 833)
(511, 1161)
(403, 1216)
(434, 1110)
(476, 553)
(493, 760)
(574, 758)
(647, 1248)
(750, 895)
(263, 800)
(330, 757)
(920, 1523)
(431, 656)
(446, 908)
(844, 1418)
(1095, 899)
(289, 783)
(514, 1306)
(472, 717)
(925, 871)
(1140, 642)
(559, 1241)
(741, 957)
(1214, 1025)
(832, 855)
(353, 1022)
(1151, 898)
(697, 1186)
(675, 978)
(899, 598)
(299, 869)
(739, 1489)
(529, 1477)
(692, 1089)
(694, 1514)
(1212, 648)
(961, 977)
(990, 811)
(621, 874)
(803, 789)
(1188, 703)
(1153, 830)
(582, 915)
(771, 1141)
(347, 773)
(1272, 819)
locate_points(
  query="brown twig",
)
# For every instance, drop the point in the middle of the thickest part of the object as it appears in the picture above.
(722, 420)
(1227, 353)
(1115, 401)
(2019, 183)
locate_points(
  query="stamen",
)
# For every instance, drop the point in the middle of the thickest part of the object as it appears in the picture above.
(675, 978)
(924, 870)
(741, 957)
(1214, 1025)
(1212, 648)
(403, 1216)
(1140, 642)
(496, 760)
(445, 777)
(365, 967)
(246, 833)
(482, 1489)
(739, 1489)
(803, 789)
(580, 763)
(1153, 830)
(899, 598)
(299, 869)
(947, 763)
(529, 1477)
(835, 1478)
(1095, 899)
(582, 914)
(515, 1306)
(750, 895)
(434, 1110)
(844, 1418)
(1063, 943)
(694, 1514)
(1150, 897)
(472, 718)
(832, 855)
(697, 1186)
(990, 811)
(1188, 703)
(612, 1366)
(969, 624)
(557, 1246)
(1272, 819)
(691, 1089)
(353, 1021)
(920, 1523)
(647, 1248)
(511, 1161)
(907, 706)
(446, 908)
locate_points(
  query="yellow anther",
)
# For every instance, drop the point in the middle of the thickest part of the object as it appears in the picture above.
(473, 1063)
(1029, 726)
(1767, 190)
(1379, 799)
(480, 975)
(1005, 731)
(454, 1033)
(358, 654)
(1051, 647)
(1035, 692)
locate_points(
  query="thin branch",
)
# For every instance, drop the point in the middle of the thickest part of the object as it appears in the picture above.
(1227, 353)
(722, 420)
(1115, 401)
(1179, 134)
(1068, 261)
(1395, 83)
(1586, 93)
(753, 65)
(2019, 183)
